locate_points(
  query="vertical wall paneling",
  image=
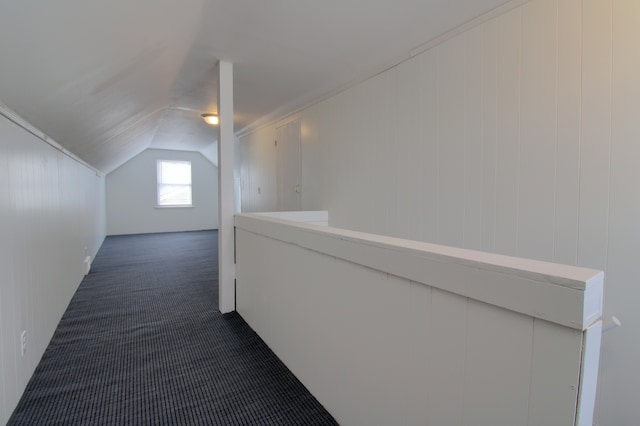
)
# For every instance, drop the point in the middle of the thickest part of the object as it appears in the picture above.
(264, 180)
(538, 129)
(249, 189)
(568, 132)
(380, 140)
(352, 172)
(52, 214)
(244, 171)
(344, 154)
(419, 309)
(323, 143)
(357, 182)
(445, 400)
(414, 153)
(7, 331)
(394, 332)
(408, 165)
(17, 194)
(314, 160)
(620, 376)
(596, 133)
(473, 139)
(497, 349)
(428, 153)
(331, 135)
(259, 175)
(328, 130)
(312, 163)
(399, 204)
(325, 326)
(553, 369)
(12, 298)
(237, 174)
(489, 121)
(288, 167)
(508, 131)
(451, 142)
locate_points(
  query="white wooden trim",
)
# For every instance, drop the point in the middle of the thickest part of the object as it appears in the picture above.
(319, 217)
(226, 243)
(589, 374)
(562, 294)
(479, 20)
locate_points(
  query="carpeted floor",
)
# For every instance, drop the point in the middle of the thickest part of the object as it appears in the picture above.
(142, 343)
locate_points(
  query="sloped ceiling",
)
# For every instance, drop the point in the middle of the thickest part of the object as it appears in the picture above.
(109, 79)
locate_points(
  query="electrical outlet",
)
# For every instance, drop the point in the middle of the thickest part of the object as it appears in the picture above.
(23, 342)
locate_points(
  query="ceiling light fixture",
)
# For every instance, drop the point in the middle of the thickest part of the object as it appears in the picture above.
(210, 119)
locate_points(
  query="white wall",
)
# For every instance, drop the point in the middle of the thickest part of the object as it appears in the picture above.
(52, 215)
(519, 136)
(131, 196)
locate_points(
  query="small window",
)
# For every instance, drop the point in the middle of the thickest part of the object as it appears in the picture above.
(174, 183)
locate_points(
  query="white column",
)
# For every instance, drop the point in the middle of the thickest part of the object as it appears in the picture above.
(226, 243)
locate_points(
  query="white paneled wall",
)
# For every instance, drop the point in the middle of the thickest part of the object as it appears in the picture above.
(258, 171)
(52, 215)
(622, 349)
(519, 136)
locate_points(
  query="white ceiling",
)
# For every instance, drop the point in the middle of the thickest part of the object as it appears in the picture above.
(108, 79)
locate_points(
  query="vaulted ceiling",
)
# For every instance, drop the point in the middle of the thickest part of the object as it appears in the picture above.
(108, 79)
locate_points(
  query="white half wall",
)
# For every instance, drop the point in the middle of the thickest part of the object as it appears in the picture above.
(52, 215)
(387, 331)
(131, 196)
(519, 136)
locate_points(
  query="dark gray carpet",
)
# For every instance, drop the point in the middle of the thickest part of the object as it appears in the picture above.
(142, 343)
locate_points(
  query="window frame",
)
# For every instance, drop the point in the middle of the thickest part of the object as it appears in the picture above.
(161, 183)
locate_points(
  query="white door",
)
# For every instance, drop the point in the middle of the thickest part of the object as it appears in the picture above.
(288, 167)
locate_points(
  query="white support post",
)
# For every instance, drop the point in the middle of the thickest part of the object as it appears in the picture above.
(226, 240)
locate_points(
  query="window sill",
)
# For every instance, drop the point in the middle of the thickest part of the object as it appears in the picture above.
(189, 206)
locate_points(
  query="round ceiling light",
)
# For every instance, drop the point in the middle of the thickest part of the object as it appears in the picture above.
(210, 119)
